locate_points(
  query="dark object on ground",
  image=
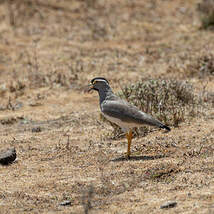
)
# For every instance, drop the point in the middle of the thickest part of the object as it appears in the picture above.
(168, 204)
(7, 156)
(65, 203)
(36, 129)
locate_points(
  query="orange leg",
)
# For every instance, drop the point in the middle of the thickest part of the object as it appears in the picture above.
(129, 138)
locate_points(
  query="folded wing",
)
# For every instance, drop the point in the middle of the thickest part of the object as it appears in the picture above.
(130, 114)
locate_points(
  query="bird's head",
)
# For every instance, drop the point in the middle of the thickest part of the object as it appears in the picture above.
(98, 83)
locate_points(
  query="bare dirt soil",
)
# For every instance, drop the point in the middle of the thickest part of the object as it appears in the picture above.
(49, 51)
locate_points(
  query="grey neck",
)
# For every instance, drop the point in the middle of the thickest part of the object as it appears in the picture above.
(105, 93)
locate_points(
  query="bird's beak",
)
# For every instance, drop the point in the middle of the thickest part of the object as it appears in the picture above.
(91, 87)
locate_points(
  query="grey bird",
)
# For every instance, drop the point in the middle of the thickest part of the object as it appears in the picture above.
(121, 112)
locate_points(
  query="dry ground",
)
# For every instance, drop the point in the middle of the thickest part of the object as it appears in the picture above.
(49, 51)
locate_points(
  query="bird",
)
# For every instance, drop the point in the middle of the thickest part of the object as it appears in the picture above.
(120, 112)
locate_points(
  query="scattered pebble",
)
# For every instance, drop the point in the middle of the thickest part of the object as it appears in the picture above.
(36, 129)
(168, 204)
(18, 105)
(35, 104)
(65, 203)
(7, 156)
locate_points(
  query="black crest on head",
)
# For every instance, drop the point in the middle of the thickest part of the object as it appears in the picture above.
(99, 78)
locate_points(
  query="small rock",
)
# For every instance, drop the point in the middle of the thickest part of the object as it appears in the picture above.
(168, 204)
(65, 203)
(36, 129)
(18, 105)
(8, 156)
(8, 120)
(35, 104)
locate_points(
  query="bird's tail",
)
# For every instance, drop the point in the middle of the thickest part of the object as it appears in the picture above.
(165, 127)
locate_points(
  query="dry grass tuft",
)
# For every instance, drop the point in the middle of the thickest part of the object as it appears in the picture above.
(170, 101)
(86, 199)
(206, 10)
(20, 11)
(162, 173)
(201, 67)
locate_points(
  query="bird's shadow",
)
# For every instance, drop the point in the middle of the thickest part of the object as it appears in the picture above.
(137, 158)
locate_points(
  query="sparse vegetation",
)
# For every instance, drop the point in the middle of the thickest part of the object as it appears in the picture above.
(49, 52)
(201, 67)
(206, 10)
(163, 173)
(87, 198)
(170, 101)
